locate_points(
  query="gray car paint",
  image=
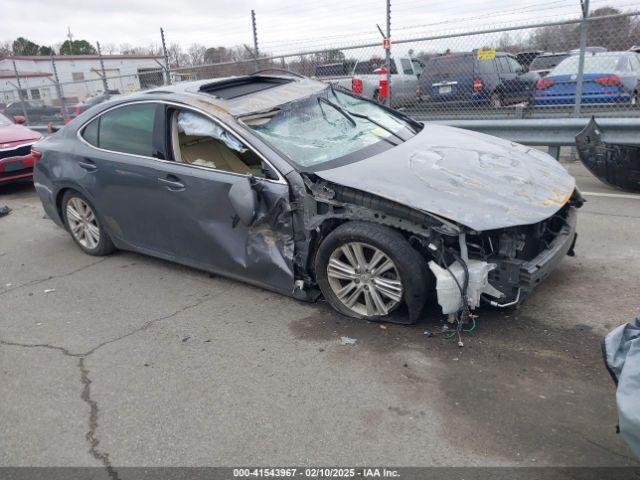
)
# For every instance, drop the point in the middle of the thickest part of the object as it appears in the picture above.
(479, 181)
(195, 225)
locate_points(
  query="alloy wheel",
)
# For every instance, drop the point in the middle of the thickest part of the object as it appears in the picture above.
(83, 223)
(364, 279)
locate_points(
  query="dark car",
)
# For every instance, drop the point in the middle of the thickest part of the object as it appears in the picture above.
(465, 80)
(609, 78)
(546, 62)
(525, 58)
(16, 157)
(36, 110)
(295, 186)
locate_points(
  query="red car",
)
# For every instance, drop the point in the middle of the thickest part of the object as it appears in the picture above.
(16, 158)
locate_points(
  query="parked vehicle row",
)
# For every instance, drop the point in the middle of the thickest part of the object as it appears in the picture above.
(468, 79)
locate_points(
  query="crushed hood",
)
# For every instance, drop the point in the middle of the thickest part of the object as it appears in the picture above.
(477, 180)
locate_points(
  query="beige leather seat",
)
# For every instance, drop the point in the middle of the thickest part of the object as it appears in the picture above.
(205, 152)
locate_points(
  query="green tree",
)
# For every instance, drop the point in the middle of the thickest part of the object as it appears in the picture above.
(23, 46)
(45, 51)
(77, 47)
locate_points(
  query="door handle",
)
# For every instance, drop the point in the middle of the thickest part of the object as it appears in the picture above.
(172, 183)
(89, 166)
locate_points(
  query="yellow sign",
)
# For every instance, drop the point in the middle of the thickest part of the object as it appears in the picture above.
(486, 53)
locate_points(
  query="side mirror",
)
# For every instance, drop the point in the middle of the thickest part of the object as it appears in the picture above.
(19, 119)
(244, 200)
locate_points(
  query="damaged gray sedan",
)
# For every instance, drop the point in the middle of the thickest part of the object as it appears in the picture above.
(297, 187)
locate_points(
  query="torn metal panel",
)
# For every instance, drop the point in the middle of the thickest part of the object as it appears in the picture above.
(616, 165)
(479, 181)
(621, 349)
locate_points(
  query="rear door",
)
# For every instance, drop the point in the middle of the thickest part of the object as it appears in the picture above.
(118, 165)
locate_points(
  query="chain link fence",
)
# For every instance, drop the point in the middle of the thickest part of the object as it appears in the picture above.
(583, 66)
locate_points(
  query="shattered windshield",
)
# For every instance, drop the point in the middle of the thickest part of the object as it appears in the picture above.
(328, 126)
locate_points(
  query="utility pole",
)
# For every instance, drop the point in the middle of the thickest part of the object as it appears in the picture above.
(388, 54)
(166, 58)
(105, 85)
(256, 52)
(583, 47)
(63, 104)
(20, 96)
(70, 37)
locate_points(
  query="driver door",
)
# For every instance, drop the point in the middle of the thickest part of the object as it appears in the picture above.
(206, 161)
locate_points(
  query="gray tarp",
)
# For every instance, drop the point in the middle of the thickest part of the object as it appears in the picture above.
(622, 356)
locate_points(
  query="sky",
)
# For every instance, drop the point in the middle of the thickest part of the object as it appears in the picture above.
(283, 25)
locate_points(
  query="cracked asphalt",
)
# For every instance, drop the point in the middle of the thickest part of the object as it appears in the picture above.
(132, 361)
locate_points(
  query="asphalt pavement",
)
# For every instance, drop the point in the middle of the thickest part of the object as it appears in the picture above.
(131, 361)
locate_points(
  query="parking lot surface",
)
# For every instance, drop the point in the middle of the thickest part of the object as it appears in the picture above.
(131, 361)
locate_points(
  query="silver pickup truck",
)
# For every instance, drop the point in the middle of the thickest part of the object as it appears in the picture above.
(364, 78)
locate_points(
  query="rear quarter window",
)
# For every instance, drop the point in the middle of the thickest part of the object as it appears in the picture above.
(127, 129)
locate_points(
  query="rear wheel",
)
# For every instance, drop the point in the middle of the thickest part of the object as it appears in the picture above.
(368, 270)
(84, 226)
(635, 99)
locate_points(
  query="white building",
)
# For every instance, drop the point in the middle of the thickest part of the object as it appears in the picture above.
(80, 76)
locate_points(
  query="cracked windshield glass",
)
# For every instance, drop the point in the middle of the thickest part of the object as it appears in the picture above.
(328, 126)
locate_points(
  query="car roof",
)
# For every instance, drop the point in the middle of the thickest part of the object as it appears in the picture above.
(243, 95)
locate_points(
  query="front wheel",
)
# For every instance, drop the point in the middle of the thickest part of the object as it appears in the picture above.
(367, 270)
(84, 226)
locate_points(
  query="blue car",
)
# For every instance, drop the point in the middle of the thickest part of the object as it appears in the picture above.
(609, 78)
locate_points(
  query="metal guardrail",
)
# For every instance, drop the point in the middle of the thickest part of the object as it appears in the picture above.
(554, 133)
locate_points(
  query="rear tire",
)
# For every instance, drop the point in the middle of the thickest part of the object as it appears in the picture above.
(84, 225)
(366, 271)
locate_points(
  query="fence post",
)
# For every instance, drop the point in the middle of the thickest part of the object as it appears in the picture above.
(104, 73)
(583, 46)
(24, 107)
(256, 52)
(63, 104)
(388, 55)
(167, 78)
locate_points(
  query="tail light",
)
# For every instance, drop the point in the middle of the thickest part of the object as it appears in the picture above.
(383, 87)
(77, 110)
(36, 155)
(356, 85)
(477, 85)
(544, 83)
(608, 81)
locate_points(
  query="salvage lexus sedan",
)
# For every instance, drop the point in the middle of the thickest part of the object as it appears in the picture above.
(298, 187)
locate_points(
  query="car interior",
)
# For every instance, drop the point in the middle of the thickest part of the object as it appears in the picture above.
(205, 150)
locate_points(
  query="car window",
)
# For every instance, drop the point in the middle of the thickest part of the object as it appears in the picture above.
(515, 65)
(503, 64)
(546, 62)
(319, 129)
(407, 68)
(127, 129)
(592, 64)
(198, 140)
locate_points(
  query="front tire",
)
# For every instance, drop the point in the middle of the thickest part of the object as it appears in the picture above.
(366, 271)
(83, 224)
(496, 100)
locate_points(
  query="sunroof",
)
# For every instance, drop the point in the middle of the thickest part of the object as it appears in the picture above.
(239, 87)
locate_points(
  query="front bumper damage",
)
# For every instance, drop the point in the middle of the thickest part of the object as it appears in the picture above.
(507, 274)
